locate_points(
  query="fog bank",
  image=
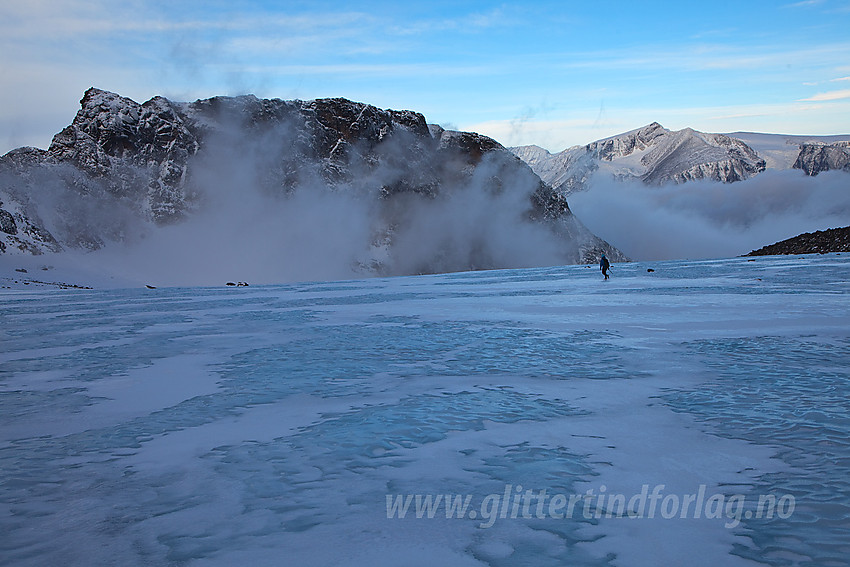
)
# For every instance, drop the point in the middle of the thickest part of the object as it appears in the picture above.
(706, 219)
(240, 230)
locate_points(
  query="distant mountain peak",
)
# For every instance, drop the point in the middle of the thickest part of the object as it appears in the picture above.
(623, 145)
(652, 154)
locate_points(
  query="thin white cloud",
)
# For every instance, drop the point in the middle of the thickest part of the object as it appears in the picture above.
(388, 70)
(831, 95)
(709, 57)
(470, 22)
(839, 79)
(739, 115)
(75, 19)
(805, 4)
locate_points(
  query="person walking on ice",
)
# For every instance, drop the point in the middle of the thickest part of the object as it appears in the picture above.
(604, 265)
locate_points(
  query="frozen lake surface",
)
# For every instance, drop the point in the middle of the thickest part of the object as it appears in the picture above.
(698, 414)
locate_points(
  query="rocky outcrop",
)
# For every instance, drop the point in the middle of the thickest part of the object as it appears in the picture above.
(818, 157)
(651, 154)
(818, 242)
(21, 228)
(19, 233)
(7, 223)
(120, 161)
(689, 155)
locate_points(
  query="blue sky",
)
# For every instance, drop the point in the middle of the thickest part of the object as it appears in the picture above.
(550, 73)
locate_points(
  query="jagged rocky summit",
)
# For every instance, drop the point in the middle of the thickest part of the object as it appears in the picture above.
(121, 165)
(656, 155)
(818, 242)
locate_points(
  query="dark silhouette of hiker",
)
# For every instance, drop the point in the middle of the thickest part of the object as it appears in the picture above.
(604, 265)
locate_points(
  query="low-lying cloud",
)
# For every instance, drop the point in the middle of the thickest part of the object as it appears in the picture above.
(244, 229)
(705, 219)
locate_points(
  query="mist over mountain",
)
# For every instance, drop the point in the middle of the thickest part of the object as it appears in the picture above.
(270, 190)
(280, 190)
(659, 194)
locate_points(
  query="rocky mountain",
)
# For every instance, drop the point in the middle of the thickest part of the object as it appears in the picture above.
(652, 154)
(815, 158)
(655, 155)
(818, 242)
(121, 169)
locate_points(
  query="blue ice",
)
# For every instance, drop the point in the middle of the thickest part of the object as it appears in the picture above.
(271, 424)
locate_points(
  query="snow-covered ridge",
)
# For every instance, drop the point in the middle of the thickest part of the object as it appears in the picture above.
(652, 154)
(655, 155)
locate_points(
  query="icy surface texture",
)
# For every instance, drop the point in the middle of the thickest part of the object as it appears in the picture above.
(274, 425)
(790, 392)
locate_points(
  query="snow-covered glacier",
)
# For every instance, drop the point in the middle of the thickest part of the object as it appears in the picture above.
(687, 412)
